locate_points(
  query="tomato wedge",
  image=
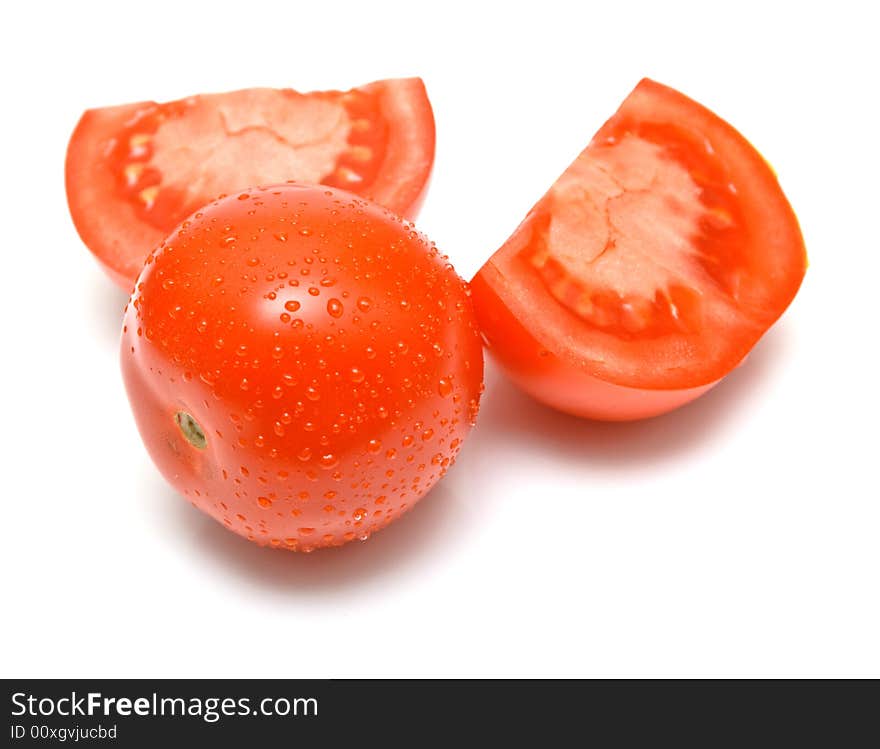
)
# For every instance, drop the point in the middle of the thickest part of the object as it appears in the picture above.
(133, 172)
(650, 268)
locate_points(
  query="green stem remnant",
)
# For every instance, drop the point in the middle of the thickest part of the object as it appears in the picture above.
(191, 430)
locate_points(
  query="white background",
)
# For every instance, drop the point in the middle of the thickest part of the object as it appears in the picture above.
(739, 536)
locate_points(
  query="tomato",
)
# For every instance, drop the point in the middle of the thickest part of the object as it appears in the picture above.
(649, 269)
(302, 364)
(135, 171)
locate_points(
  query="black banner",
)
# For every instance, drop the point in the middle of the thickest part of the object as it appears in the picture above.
(144, 712)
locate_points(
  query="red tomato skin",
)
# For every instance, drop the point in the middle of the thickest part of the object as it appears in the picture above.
(324, 421)
(558, 383)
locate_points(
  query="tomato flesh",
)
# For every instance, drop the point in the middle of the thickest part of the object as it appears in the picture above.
(156, 163)
(302, 365)
(653, 264)
(171, 157)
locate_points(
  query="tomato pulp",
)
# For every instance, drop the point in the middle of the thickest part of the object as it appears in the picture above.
(135, 171)
(649, 269)
(302, 364)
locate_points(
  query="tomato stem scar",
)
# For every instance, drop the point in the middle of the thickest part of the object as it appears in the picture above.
(191, 430)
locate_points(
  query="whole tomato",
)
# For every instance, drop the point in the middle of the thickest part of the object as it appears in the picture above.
(302, 364)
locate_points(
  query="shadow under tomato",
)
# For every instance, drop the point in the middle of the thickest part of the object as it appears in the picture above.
(509, 416)
(427, 529)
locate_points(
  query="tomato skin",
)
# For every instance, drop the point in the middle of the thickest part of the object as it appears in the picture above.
(590, 368)
(327, 351)
(119, 155)
(561, 383)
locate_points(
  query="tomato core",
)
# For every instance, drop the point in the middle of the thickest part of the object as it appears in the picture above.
(636, 238)
(327, 137)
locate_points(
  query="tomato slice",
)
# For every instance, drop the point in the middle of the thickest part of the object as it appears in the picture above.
(649, 269)
(135, 171)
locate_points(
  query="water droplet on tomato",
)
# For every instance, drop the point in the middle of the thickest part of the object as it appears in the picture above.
(335, 308)
(444, 387)
(473, 410)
